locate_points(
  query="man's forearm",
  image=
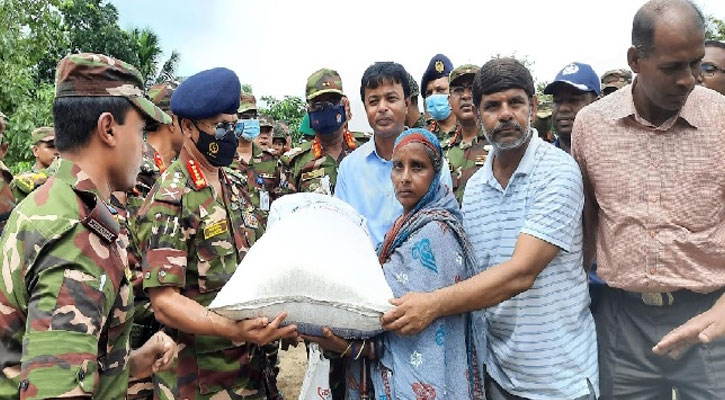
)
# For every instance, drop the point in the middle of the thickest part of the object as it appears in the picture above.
(180, 312)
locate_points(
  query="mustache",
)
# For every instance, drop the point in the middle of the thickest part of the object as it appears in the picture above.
(506, 125)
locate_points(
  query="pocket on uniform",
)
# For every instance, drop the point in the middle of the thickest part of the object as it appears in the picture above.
(221, 365)
(74, 371)
(217, 256)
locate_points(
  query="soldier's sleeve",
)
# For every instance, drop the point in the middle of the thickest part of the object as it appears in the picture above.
(67, 310)
(286, 173)
(163, 236)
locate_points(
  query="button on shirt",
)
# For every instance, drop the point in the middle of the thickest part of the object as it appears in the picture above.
(659, 192)
(364, 182)
(541, 342)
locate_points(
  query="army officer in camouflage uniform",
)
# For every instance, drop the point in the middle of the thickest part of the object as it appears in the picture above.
(65, 299)
(195, 227)
(466, 150)
(312, 167)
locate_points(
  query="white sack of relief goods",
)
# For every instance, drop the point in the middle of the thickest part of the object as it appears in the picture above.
(316, 263)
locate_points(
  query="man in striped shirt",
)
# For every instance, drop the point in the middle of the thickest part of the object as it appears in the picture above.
(523, 213)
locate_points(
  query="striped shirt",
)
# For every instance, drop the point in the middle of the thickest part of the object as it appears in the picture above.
(542, 342)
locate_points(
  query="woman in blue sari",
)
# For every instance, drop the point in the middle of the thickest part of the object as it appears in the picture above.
(426, 249)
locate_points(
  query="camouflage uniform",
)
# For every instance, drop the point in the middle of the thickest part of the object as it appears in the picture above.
(7, 200)
(307, 167)
(263, 177)
(65, 296)
(65, 273)
(414, 93)
(615, 79)
(464, 159)
(434, 127)
(191, 241)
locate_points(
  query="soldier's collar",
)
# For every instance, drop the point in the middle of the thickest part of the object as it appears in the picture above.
(73, 175)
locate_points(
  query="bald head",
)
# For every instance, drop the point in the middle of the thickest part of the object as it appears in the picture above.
(655, 14)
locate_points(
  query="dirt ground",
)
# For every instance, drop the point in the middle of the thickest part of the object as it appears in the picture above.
(293, 364)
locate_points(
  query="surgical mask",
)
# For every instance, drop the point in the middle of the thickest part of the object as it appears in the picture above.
(437, 106)
(328, 119)
(247, 129)
(220, 147)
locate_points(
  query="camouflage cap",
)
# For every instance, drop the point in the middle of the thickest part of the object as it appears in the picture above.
(323, 81)
(463, 70)
(96, 75)
(616, 78)
(247, 102)
(161, 94)
(414, 88)
(280, 130)
(43, 133)
(266, 122)
(545, 107)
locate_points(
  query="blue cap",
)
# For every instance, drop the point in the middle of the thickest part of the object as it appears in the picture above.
(580, 76)
(438, 67)
(207, 94)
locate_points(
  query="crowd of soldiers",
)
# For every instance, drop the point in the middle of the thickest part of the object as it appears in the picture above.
(143, 201)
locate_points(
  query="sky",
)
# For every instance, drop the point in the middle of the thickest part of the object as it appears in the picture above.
(275, 45)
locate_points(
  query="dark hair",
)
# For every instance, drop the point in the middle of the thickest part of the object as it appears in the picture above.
(715, 43)
(381, 73)
(75, 118)
(501, 74)
(643, 25)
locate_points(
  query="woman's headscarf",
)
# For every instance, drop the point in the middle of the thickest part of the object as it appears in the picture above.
(396, 235)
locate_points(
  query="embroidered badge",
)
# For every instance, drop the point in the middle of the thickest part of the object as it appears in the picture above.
(215, 229)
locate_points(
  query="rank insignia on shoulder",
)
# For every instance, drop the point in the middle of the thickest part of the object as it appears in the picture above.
(313, 174)
(480, 159)
(215, 229)
(196, 175)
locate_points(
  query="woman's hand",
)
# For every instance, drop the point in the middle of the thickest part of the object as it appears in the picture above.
(329, 341)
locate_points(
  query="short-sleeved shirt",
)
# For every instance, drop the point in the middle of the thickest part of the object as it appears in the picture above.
(542, 342)
(659, 192)
(193, 239)
(464, 159)
(66, 304)
(309, 169)
(364, 182)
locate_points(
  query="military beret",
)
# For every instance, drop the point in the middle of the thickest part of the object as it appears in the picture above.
(323, 81)
(96, 75)
(161, 94)
(207, 94)
(463, 70)
(438, 67)
(43, 133)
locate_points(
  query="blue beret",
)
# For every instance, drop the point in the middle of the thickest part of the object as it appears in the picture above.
(207, 94)
(438, 67)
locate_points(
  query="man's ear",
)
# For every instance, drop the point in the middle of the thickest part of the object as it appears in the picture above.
(105, 129)
(35, 150)
(633, 59)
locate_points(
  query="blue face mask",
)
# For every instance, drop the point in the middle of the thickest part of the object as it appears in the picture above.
(328, 119)
(437, 106)
(249, 129)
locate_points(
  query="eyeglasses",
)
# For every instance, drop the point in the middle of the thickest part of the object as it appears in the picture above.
(222, 129)
(321, 105)
(459, 90)
(708, 70)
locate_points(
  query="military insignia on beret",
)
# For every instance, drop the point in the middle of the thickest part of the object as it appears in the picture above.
(439, 66)
(570, 69)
